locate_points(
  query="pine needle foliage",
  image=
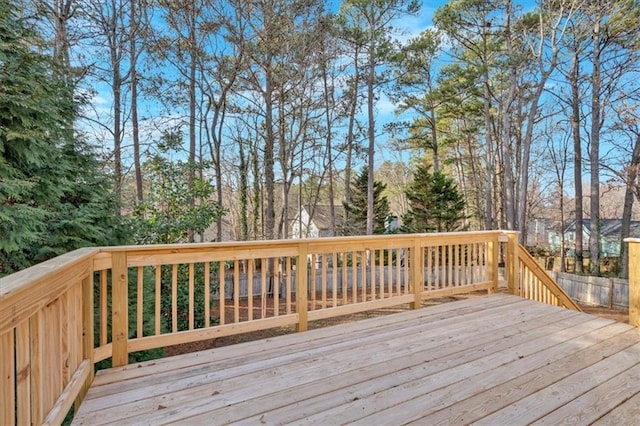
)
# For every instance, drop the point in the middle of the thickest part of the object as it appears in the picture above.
(52, 197)
(356, 210)
(435, 204)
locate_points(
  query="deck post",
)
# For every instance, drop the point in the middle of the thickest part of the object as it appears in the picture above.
(513, 282)
(492, 264)
(87, 331)
(302, 285)
(634, 281)
(119, 308)
(417, 272)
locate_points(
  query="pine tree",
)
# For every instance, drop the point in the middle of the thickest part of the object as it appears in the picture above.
(52, 197)
(356, 211)
(435, 203)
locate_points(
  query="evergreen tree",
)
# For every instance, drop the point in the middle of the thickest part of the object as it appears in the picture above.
(356, 211)
(435, 203)
(52, 197)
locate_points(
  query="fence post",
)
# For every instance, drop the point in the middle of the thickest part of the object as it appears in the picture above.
(417, 273)
(302, 287)
(634, 281)
(119, 308)
(512, 267)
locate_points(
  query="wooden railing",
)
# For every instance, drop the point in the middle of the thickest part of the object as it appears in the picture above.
(59, 318)
(527, 279)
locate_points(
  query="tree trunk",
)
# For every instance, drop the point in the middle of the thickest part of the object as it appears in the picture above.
(594, 155)
(488, 219)
(629, 195)
(508, 188)
(577, 160)
(244, 194)
(329, 149)
(434, 139)
(116, 82)
(193, 65)
(134, 18)
(270, 215)
(350, 132)
(371, 135)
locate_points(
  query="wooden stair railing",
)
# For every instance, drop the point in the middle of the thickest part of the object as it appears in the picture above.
(535, 284)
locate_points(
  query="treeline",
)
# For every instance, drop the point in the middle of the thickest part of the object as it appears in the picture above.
(239, 112)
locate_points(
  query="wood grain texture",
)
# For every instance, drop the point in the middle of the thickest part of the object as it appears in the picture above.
(7, 379)
(496, 359)
(119, 309)
(634, 282)
(48, 311)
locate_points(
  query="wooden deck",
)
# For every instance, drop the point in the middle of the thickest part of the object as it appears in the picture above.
(492, 360)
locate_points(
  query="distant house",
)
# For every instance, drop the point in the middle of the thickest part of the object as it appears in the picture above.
(543, 233)
(315, 221)
(610, 230)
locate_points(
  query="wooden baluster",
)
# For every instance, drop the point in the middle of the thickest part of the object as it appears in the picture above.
(363, 274)
(354, 277)
(222, 296)
(103, 307)
(324, 280)
(139, 296)
(405, 268)
(23, 373)
(288, 285)
(313, 285)
(36, 331)
(236, 291)
(250, 290)
(7, 379)
(302, 288)
(158, 303)
(390, 271)
(263, 287)
(191, 296)
(174, 298)
(334, 279)
(276, 289)
(345, 275)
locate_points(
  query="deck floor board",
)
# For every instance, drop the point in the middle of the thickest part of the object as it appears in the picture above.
(497, 359)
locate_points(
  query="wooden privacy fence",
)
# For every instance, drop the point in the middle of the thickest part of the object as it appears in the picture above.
(59, 318)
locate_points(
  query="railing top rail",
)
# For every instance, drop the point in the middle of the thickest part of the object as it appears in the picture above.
(42, 272)
(25, 292)
(185, 247)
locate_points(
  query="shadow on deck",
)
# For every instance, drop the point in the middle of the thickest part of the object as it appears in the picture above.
(497, 359)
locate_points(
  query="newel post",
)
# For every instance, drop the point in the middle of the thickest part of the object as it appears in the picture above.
(493, 247)
(634, 281)
(512, 267)
(119, 308)
(302, 287)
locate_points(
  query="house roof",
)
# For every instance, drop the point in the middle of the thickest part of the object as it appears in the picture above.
(608, 227)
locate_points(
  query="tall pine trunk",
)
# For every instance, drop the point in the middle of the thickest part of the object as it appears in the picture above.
(577, 161)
